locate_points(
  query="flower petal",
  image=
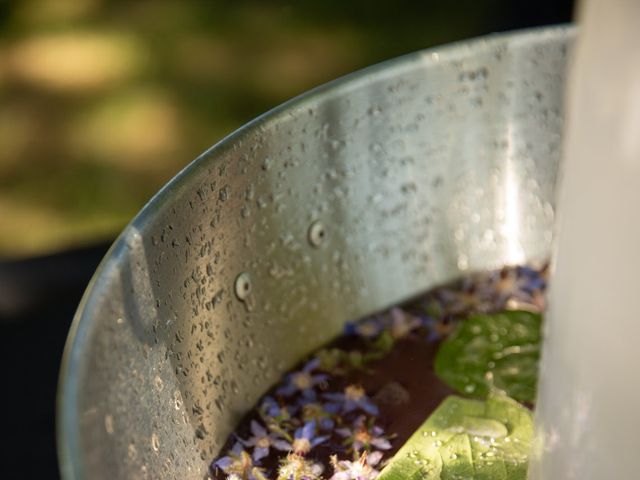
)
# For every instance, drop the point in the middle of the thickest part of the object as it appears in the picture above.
(259, 453)
(374, 458)
(270, 407)
(257, 429)
(287, 390)
(281, 445)
(308, 431)
(368, 406)
(381, 443)
(319, 378)
(309, 395)
(311, 365)
(332, 408)
(318, 440)
(237, 448)
(223, 463)
(341, 476)
(326, 423)
(248, 443)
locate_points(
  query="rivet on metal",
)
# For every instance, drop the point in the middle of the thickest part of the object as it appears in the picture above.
(316, 234)
(242, 286)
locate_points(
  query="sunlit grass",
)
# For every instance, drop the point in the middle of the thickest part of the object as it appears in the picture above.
(137, 129)
(102, 102)
(73, 62)
(35, 229)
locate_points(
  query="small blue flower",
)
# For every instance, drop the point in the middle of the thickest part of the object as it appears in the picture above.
(353, 398)
(239, 464)
(306, 438)
(224, 463)
(364, 435)
(318, 412)
(262, 441)
(273, 410)
(303, 381)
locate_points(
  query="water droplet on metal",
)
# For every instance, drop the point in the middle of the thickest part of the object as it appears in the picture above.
(132, 452)
(108, 424)
(159, 384)
(317, 234)
(224, 193)
(177, 397)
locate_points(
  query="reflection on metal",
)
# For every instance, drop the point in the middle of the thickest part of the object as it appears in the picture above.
(513, 214)
(405, 163)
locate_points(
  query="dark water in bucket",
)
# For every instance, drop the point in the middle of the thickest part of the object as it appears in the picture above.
(349, 407)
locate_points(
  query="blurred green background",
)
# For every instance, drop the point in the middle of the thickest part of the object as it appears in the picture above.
(103, 101)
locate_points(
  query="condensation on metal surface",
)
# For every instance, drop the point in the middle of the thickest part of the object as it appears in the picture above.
(422, 168)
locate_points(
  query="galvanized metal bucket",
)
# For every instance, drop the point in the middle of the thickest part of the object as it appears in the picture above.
(352, 197)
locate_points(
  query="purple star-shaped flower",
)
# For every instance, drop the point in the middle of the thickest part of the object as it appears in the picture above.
(225, 462)
(364, 435)
(353, 398)
(239, 464)
(303, 381)
(321, 413)
(262, 441)
(273, 410)
(306, 438)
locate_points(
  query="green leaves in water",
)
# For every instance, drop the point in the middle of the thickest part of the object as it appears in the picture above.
(493, 351)
(490, 357)
(467, 439)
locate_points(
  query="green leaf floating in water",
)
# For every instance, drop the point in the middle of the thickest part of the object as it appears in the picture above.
(500, 350)
(467, 439)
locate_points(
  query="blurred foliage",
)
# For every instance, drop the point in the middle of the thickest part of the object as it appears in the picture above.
(104, 101)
